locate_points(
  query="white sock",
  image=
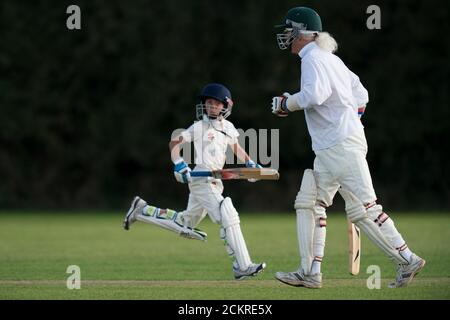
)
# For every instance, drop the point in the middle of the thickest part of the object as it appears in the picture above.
(405, 252)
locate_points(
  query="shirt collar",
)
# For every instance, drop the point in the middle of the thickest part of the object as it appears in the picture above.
(307, 49)
(213, 122)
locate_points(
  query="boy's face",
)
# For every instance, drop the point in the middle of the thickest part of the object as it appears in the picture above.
(213, 107)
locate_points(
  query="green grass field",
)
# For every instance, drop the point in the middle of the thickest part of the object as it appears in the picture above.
(150, 263)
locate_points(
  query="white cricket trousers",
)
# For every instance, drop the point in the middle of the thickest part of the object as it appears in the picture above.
(205, 198)
(344, 164)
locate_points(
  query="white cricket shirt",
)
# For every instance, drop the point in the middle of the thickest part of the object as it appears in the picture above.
(329, 94)
(211, 139)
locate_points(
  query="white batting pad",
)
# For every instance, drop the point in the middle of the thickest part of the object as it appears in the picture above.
(172, 226)
(320, 233)
(375, 235)
(386, 225)
(357, 214)
(304, 205)
(232, 234)
(306, 197)
(305, 232)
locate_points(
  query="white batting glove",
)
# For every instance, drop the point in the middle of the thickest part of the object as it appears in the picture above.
(182, 172)
(279, 107)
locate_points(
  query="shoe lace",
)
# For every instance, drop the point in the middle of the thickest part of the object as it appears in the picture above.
(400, 269)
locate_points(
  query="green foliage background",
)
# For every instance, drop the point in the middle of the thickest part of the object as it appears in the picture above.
(86, 115)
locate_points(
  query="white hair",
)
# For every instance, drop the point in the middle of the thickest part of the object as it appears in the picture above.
(325, 41)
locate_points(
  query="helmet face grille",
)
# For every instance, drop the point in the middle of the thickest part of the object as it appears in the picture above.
(286, 38)
(202, 112)
(218, 92)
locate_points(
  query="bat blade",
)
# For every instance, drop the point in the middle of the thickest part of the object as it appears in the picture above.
(354, 248)
(240, 173)
(247, 173)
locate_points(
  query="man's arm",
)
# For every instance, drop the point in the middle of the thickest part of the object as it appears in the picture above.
(315, 90)
(359, 92)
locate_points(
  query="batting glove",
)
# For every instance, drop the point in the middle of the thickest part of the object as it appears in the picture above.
(252, 164)
(361, 110)
(182, 172)
(279, 107)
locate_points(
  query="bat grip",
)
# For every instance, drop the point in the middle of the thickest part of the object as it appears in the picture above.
(201, 174)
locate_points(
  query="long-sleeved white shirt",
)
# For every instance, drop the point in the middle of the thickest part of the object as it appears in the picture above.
(330, 95)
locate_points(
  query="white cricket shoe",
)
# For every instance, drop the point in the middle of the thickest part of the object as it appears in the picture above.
(407, 272)
(136, 208)
(299, 279)
(251, 271)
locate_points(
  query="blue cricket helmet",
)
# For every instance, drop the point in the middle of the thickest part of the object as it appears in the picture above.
(215, 91)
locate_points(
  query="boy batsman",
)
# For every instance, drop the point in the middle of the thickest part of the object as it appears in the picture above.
(211, 135)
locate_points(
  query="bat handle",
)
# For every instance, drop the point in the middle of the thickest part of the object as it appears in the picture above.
(201, 174)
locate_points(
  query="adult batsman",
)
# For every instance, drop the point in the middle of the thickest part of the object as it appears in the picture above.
(331, 96)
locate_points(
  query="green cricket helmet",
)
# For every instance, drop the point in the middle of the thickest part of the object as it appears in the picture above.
(299, 20)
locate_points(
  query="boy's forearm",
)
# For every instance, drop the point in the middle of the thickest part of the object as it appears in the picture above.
(174, 147)
(240, 153)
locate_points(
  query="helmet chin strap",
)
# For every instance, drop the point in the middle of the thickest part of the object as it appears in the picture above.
(210, 121)
(212, 118)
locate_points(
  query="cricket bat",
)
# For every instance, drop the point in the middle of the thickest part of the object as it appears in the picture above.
(239, 173)
(354, 248)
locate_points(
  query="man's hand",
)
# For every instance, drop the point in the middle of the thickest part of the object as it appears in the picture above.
(182, 172)
(251, 164)
(279, 107)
